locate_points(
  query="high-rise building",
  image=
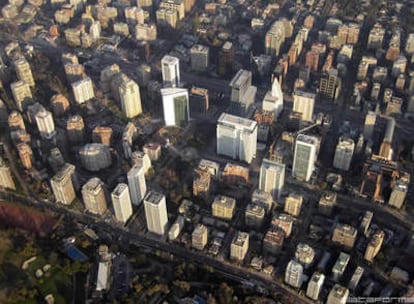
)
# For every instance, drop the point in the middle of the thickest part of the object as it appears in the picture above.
(304, 102)
(304, 254)
(369, 125)
(143, 74)
(327, 202)
(83, 90)
(226, 59)
(6, 179)
(273, 100)
(130, 97)
(356, 277)
(102, 135)
(304, 157)
(239, 246)
(374, 245)
(409, 45)
(45, 124)
(254, 215)
(60, 104)
(293, 204)
(24, 71)
(199, 57)
(156, 212)
(62, 184)
(236, 137)
(107, 74)
(340, 265)
(330, 85)
(293, 274)
(399, 191)
(137, 184)
(75, 129)
(345, 235)
(15, 121)
(147, 32)
(272, 177)
(176, 5)
(25, 155)
(170, 68)
(176, 108)
(202, 184)
(376, 37)
(338, 295)
(315, 285)
(284, 222)
(199, 237)
(121, 202)
(199, 102)
(93, 195)
(223, 207)
(21, 94)
(274, 38)
(343, 153)
(166, 17)
(95, 157)
(74, 71)
(242, 93)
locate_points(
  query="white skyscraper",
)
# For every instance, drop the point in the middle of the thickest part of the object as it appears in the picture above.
(343, 153)
(236, 137)
(176, 107)
(45, 124)
(83, 90)
(137, 184)
(62, 184)
(304, 102)
(170, 68)
(93, 195)
(121, 202)
(315, 285)
(273, 100)
(130, 97)
(305, 156)
(293, 274)
(156, 212)
(272, 177)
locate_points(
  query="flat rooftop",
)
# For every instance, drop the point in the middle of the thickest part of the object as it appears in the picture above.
(240, 78)
(154, 197)
(237, 122)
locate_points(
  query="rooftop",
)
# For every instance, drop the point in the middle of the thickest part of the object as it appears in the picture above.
(237, 122)
(154, 197)
(240, 238)
(240, 78)
(119, 189)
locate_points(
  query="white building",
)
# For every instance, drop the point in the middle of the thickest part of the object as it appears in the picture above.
(304, 102)
(273, 100)
(93, 195)
(62, 184)
(293, 274)
(343, 153)
(95, 157)
(272, 177)
(236, 137)
(304, 157)
(170, 68)
(156, 212)
(176, 228)
(315, 285)
(6, 179)
(23, 71)
(121, 202)
(176, 108)
(45, 124)
(239, 246)
(83, 90)
(243, 93)
(338, 295)
(21, 94)
(130, 97)
(137, 184)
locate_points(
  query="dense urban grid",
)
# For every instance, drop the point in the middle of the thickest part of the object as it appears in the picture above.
(265, 143)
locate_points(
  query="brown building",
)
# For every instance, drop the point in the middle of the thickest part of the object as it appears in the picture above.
(234, 174)
(284, 222)
(273, 240)
(75, 129)
(199, 101)
(60, 104)
(308, 22)
(102, 135)
(16, 121)
(345, 235)
(374, 245)
(312, 60)
(226, 59)
(25, 155)
(202, 184)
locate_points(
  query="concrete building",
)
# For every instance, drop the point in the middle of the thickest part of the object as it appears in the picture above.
(137, 184)
(234, 174)
(284, 222)
(106, 76)
(315, 285)
(141, 159)
(304, 254)
(376, 37)
(304, 102)
(170, 68)
(6, 179)
(143, 74)
(327, 203)
(15, 121)
(293, 274)
(95, 157)
(374, 246)
(60, 105)
(345, 235)
(202, 184)
(273, 240)
(83, 90)
(343, 153)
(338, 295)
(176, 228)
(223, 207)
(409, 45)
(236, 137)
(153, 150)
(226, 59)
(147, 32)
(199, 57)
(156, 212)
(176, 5)
(74, 72)
(272, 177)
(210, 166)
(102, 135)
(305, 156)
(356, 277)
(21, 94)
(199, 102)
(130, 97)
(93, 195)
(274, 38)
(75, 127)
(121, 202)
(62, 184)
(242, 93)
(340, 265)
(366, 222)
(166, 17)
(399, 191)
(263, 199)
(273, 100)
(23, 71)
(369, 125)
(175, 102)
(293, 204)
(239, 246)
(45, 124)
(25, 155)
(254, 215)
(199, 237)
(330, 85)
